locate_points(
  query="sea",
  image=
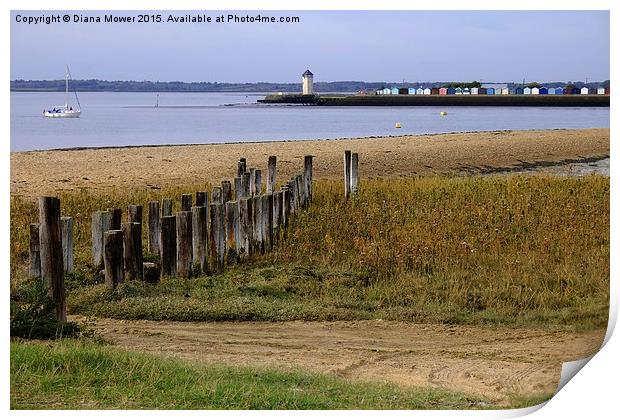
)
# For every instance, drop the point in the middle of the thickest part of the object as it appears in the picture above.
(112, 119)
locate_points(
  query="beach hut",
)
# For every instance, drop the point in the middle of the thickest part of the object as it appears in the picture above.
(559, 91)
(535, 91)
(584, 91)
(474, 91)
(466, 91)
(451, 91)
(575, 91)
(387, 91)
(527, 91)
(458, 91)
(543, 91)
(443, 91)
(379, 92)
(511, 91)
(411, 91)
(394, 91)
(600, 91)
(419, 91)
(498, 90)
(435, 91)
(482, 91)
(592, 91)
(427, 91)
(607, 91)
(551, 91)
(403, 91)
(505, 91)
(519, 91)
(490, 91)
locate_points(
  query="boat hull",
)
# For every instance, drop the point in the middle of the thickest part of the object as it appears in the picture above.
(62, 114)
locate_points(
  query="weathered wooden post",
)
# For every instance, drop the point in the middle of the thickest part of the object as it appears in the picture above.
(216, 195)
(252, 182)
(186, 202)
(35, 251)
(245, 184)
(154, 227)
(241, 167)
(132, 250)
(113, 257)
(354, 177)
(202, 198)
(299, 190)
(286, 207)
(271, 174)
(166, 207)
(184, 244)
(168, 244)
(116, 218)
(50, 244)
(226, 191)
(199, 238)
(267, 226)
(277, 215)
(134, 214)
(217, 245)
(100, 223)
(257, 226)
(231, 227)
(67, 243)
(347, 173)
(245, 225)
(308, 177)
(238, 188)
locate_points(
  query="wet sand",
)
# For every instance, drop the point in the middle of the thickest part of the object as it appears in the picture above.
(49, 172)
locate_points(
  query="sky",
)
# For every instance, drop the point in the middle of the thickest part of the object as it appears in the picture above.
(491, 46)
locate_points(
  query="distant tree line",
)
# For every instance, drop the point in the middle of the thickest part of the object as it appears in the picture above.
(95, 85)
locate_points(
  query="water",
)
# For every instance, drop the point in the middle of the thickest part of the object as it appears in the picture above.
(121, 119)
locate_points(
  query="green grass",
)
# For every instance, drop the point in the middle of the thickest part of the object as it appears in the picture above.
(516, 250)
(75, 374)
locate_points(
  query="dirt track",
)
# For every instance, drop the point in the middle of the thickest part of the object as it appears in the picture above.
(36, 173)
(495, 363)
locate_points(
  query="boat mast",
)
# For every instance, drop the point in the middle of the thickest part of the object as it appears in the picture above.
(67, 88)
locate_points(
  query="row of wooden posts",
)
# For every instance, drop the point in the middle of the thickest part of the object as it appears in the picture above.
(222, 228)
(199, 239)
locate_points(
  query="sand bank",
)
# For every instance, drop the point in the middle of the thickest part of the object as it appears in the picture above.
(48, 172)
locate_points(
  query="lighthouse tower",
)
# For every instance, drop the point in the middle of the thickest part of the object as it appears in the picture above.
(306, 83)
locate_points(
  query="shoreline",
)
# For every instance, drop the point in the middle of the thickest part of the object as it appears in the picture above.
(157, 167)
(253, 142)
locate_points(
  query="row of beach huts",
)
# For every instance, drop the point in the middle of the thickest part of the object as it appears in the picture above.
(494, 91)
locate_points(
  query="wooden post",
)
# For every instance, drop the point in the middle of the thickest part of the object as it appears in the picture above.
(308, 177)
(199, 238)
(226, 191)
(231, 226)
(50, 245)
(238, 188)
(271, 174)
(184, 244)
(202, 198)
(67, 243)
(286, 207)
(245, 225)
(113, 257)
(258, 182)
(277, 215)
(168, 244)
(166, 207)
(252, 182)
(216, 195)
(267, 226)
(132, 250)
(217, 238)
(99, 224)
(347, 173)
(257, 230)
(299, 190)
(241, 167)
(116, 218)
(154, 227)
(134, 214)
(35, 251)
(354, 177)
(186, 202)
(245, 184)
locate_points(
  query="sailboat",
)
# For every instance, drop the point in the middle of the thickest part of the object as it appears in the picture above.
(65, 111)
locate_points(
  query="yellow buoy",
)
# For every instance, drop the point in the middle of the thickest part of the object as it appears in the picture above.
(443, 113)
(397, 125)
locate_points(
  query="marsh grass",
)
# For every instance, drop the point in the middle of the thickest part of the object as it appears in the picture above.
(514, 250)
(77, 374)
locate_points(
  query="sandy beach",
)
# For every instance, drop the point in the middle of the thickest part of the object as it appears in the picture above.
(48, 172)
